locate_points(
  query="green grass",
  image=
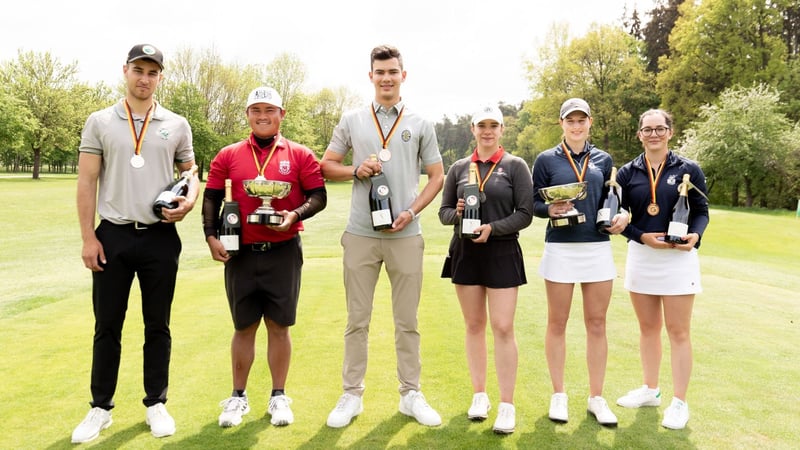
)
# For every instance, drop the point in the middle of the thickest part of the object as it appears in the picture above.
(743, 392)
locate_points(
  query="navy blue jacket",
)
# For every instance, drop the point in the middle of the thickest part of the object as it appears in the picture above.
(552, 168)
(636, 196)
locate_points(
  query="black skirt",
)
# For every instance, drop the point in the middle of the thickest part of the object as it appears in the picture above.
(495, 264)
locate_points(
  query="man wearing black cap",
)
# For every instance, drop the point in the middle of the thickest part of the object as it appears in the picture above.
(128, 154)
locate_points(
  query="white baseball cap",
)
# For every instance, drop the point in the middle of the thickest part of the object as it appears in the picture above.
(264, 94)
(488, 112)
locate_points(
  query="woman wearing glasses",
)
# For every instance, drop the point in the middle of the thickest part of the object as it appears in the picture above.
(662, 277)
(575, 252)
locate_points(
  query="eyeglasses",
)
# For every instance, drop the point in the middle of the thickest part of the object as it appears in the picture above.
(659, 131)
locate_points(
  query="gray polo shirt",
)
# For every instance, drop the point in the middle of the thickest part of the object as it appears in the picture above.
(413, 146)
(125, 193)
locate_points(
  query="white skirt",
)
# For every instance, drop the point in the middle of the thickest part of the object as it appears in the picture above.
(662, 271)
(577, 262)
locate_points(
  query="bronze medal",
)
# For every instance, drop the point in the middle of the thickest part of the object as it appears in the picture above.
(652, 209)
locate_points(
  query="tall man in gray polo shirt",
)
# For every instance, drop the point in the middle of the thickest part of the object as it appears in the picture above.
(405, 143)
(128, 153)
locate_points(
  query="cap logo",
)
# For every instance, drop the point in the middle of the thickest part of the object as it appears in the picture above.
(148, 50)
(262, 94)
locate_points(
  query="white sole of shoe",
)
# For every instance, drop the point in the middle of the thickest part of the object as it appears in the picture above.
(605, 424)
(93, 437)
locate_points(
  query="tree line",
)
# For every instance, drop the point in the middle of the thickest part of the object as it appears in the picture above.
(728, 70)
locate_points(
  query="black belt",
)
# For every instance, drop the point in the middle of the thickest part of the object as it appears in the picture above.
(139, 226)
(267, 246)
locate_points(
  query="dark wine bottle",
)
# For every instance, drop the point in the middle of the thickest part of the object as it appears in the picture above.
(179, 187)
(230, 227)
(471, 216)
(679, 223)
(610, 204)
(380, 201)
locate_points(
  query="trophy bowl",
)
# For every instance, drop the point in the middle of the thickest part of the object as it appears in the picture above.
(266, 190)
(563, 193)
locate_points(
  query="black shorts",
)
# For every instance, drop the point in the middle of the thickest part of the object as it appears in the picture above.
(496, 264)
(264, 282)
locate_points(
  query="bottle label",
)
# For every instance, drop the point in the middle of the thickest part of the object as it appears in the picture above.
(232, 219)
(604, 214)
(230, 242)
(468, 226)
(381, 217)
(677, 229)
(382, 191)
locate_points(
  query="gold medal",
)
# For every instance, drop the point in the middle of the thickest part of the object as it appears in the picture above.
(652, 209)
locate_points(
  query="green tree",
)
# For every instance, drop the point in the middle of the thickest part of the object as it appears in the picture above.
(656, 33)
(744, 143)
(17, 121)
(326, 107)
(45, 86)
(717, 44)
(607, 69)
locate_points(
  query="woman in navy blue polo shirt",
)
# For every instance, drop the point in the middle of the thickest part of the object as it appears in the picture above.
(662, 277)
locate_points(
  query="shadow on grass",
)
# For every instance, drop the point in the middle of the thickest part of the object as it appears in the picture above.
(212, 436)
(109, 438)
(646, 432)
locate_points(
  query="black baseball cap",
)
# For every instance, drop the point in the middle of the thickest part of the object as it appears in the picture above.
(146, 51)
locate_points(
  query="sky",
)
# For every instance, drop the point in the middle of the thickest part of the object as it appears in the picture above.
(458, 54)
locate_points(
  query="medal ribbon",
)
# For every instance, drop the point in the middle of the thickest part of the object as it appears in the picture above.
(259, 167)
(654, 181)
(385, 139)
(580, 175)
(138, 139)
(482, 182)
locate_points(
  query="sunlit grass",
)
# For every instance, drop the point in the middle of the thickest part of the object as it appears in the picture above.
(745, 334)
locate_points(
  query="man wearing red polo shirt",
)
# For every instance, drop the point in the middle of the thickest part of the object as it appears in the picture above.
(262, 280)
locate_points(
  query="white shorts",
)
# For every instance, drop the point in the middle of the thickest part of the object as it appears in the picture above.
(662, 271)
(577, 262)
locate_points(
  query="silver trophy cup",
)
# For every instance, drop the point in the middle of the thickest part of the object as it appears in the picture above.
(266, 190)
(564, 193)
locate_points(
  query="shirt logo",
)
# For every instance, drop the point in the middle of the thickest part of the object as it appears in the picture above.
(405, 135)
(284, 168)
(671, 180)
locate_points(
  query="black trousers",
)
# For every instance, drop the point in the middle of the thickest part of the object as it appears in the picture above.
(151, 255)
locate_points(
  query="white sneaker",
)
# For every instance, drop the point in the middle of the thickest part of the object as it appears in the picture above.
(280, 411)
(599, 408)
(349, 406)
(506, 419)
(479, 410)
(233, 409)
(558, 408)
(413, 404)
(161, 423)
(677, 415)
(644, 396)
(96, 420)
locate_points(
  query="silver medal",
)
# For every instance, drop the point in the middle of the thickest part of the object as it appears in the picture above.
(137, 161)
(385, 155)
